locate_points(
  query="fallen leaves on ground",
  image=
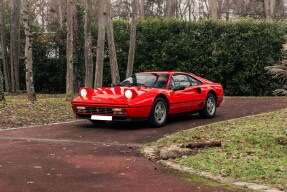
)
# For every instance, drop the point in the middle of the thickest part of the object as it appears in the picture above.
(17, 111)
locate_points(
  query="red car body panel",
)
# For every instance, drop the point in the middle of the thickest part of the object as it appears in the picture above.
(139, 106)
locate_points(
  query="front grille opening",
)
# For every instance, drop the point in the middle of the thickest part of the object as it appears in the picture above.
(94, 110)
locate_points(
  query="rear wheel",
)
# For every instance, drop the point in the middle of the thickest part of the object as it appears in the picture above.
(209, 109)
(158, 113)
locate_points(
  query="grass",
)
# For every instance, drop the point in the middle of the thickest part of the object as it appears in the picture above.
(250, 149)
(17, 111)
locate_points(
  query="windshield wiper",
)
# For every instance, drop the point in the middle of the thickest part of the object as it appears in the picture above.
(142, 85)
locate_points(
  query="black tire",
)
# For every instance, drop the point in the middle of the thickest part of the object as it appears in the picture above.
(158, 114)
(209, 109)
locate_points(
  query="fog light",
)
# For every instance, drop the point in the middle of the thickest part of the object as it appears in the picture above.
(119, 111)
(81, 109)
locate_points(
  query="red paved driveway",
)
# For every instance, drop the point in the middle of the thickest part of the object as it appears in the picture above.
(84, 157)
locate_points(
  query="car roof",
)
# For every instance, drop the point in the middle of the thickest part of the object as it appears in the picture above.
(168, 72)
(179, 72)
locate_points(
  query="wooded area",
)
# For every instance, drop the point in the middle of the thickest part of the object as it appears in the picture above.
(42, 18)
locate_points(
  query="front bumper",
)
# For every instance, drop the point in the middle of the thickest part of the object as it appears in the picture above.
(115, 118)
(130, 113)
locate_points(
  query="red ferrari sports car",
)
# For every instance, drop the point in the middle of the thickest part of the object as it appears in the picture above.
(151, 96)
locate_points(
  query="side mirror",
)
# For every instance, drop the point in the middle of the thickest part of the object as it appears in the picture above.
(179, 88)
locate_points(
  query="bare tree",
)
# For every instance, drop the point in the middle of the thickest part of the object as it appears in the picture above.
(279, 10)
(88, 45)
(1, 86)
(227, 9)
(4, 52)
(141, 6)
(115, 75)
(15, 44)
(213, 9)
(60, 12)
(269, 6)
(100, 45)
(28, 53)
(133, 35)
(43, 13)
(77, 68)
(2, 24)
(70, 50)
(5, 64)
(170, 8)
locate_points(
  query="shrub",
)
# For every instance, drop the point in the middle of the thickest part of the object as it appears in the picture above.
(233, 53)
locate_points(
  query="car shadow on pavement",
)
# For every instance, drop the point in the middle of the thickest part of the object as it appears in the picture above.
(178, 120)
(114, 125)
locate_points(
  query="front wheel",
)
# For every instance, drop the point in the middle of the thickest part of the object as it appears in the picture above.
(158, 113)
(209, 107)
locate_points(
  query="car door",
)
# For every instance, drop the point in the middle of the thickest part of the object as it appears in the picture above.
(197, 95)
(185, 93)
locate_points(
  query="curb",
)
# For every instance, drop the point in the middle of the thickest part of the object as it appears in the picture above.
(34, 126)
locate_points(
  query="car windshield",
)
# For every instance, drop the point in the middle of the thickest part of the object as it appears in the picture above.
(156, 80)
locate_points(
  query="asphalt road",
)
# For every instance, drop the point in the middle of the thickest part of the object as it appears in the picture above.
(81, 156)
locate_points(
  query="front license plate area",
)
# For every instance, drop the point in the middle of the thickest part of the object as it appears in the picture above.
(101, 118)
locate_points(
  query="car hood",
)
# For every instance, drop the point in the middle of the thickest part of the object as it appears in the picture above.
(113, 95)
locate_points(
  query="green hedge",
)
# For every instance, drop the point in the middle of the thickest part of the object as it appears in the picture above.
(232, 53)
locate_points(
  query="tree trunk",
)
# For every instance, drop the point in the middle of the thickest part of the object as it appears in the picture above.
(6, 69)
(15, 44)
(28, 53)
(60, 14)
(279, 9)
(70, 51)
(88, 45)
(227, 9)
(43, 15)
(213, 9)
(100, 45)
(112, 48)
(266, 9)
(269, 6)
(189, 10)
(142, 13)
(4, 52)
(2, 24)
(1, 86)
(133, 35)
(170, 8)
(77, 65)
